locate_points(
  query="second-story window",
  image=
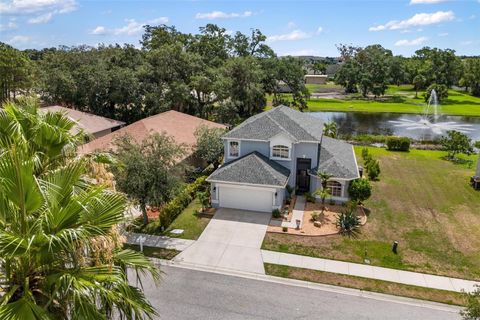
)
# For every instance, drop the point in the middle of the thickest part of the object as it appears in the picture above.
(280, 151)
(233, 149)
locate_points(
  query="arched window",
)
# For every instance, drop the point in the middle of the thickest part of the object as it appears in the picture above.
(280, 151)
(335, 188)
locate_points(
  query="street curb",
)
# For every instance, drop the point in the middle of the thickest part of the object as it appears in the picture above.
(313, 286)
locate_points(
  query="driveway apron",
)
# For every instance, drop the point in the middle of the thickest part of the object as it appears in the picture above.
(232, 240)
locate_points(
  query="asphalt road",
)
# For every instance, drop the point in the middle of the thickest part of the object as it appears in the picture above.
(191, 294)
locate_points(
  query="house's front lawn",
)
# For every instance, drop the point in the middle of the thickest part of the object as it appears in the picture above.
(422, 201)
(190, 221)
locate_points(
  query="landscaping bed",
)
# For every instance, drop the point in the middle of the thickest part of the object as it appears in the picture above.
(380, 286)
(423, 202)
(154, 252)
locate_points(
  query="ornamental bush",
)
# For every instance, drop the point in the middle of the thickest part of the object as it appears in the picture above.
(276, 213)
(398, 144)
(373, 169)
(360, 190)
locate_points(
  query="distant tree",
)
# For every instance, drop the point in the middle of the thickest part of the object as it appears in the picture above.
(472, 308)
(289, 70)
(16, 72)
(471, 76)
(375, 62)
(455, 143)
(330, 129)
(360, 190)
(149, 172)
(439, 66)
(418, 83)
(209, 144)
(348, 75)
(319, 67)
(440, 89)
(398, 73)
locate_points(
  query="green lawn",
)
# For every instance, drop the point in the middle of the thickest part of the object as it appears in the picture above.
(365, 284)
(422, 201)
(397, 99)
(190, 221)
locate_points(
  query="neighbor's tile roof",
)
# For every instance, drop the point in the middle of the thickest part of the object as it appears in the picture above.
(90, 123)
(298, 125)
(180, 126)
(253, 168)
(338, 159)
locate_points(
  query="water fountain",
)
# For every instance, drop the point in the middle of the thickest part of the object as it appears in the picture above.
(428, 121)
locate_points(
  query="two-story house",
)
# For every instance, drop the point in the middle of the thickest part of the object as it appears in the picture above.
(276, 148)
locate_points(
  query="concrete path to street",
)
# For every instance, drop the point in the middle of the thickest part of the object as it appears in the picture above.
(371, 272)
(159, 241)
(297, 213)
(231, 240)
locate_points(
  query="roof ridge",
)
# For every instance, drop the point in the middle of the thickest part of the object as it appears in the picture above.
(265, 164)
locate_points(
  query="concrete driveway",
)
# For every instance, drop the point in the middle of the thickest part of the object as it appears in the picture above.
(231, 240)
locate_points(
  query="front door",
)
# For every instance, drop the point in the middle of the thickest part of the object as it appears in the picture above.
(303, 179)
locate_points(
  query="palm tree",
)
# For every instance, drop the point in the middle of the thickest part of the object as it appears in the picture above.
(324, 177)
(61, 254)
(330, 129)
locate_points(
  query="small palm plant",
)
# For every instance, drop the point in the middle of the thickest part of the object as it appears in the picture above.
(348, 222)
(323, 194)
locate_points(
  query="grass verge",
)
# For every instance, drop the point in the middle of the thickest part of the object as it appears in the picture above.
(380, 286)
(154, 252)
(190, 221)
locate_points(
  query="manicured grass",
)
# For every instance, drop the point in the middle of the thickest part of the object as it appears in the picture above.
(422, 201)
(190, 221)
(365, 284)
(154, 252)
(397, 99)
(400, 100)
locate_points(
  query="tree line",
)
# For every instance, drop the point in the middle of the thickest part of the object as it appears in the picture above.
(371, 69)
(211, 74)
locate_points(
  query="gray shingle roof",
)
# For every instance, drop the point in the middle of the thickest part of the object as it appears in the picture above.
(338, 159)
(253, 168)
(282, 119)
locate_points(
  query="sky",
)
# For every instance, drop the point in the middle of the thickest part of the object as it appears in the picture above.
(292, 27)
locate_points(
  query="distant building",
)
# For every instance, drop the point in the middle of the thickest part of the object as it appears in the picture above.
(316, 79)
(180, 126)
(92, 124)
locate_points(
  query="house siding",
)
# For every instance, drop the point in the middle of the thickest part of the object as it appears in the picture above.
(247, 147)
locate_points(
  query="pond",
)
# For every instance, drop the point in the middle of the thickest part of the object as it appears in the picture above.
(388, 124)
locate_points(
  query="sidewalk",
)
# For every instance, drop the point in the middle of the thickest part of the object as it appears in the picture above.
(371, 272)
(159, 241)
(297, 213)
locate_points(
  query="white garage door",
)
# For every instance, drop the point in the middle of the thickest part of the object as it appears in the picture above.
(246, 199)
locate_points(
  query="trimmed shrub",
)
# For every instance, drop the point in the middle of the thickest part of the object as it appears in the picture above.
(284, 229)
(173, 208)
(365, 153)
(398, 144)
(373, 169)
(276, 213)
(360, 190)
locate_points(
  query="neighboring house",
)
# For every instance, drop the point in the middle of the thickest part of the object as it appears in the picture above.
(180, 126)
(316, 78)
(94, 125)
(274, 149)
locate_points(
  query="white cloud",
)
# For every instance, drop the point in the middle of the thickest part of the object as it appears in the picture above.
(426, 1)
(99, 30)
(132, 27)
(18, 40)
(419, 19)
(319, 30)
(443, 34)
(8, 26)
(414, 42)
(294, 35)
(37, 6)
(222, 15)
(44, 18)
(301, 52)
(466, 43)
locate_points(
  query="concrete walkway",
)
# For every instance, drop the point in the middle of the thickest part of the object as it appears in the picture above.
(371, 272)
(297, 213)
(159, 241)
